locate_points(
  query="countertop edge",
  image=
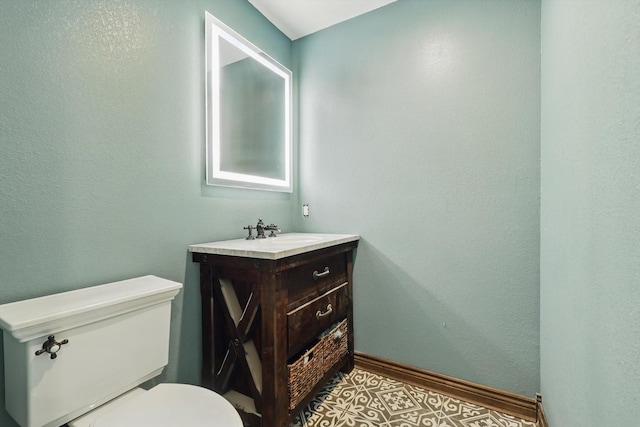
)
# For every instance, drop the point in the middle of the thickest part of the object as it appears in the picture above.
(202, 248)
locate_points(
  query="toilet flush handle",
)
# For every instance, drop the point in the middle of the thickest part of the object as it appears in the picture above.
(51, 346)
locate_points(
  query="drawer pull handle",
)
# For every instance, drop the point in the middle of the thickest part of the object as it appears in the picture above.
(317, 275)
(320, 314)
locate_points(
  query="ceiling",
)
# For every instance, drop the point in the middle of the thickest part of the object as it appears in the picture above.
(298, 18)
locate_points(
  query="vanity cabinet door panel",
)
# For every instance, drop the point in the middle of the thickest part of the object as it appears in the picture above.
(306, 322)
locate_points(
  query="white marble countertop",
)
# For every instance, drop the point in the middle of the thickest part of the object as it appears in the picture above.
(282, 246)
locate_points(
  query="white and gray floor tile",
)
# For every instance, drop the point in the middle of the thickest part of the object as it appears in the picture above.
(365, 399)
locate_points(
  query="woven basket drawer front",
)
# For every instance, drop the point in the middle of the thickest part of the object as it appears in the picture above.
(305, 373)
(335, 345)
(309, 368)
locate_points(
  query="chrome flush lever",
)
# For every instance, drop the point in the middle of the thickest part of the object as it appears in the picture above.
(51, 346)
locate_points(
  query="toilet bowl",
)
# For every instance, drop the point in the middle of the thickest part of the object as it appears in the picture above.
(163, 405)
(80, 357)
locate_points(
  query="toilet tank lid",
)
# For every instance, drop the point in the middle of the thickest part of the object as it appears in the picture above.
(37, 317)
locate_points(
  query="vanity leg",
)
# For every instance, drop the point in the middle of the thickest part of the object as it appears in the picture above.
(348, 367)
(275, 408)
(208, 320)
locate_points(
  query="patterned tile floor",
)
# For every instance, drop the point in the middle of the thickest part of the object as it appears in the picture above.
(364, 399)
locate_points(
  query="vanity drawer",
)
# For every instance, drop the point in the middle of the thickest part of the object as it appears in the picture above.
(306, 322)
(315, 278)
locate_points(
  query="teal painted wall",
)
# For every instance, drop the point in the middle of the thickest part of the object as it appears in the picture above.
(102, 151)
(419, 129)
(590, 226)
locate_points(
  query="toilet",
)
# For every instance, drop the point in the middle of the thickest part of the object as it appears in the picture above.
(80, 357)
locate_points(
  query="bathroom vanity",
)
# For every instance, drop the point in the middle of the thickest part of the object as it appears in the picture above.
(277, 320)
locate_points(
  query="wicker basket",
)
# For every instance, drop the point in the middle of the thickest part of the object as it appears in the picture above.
(335, 345)
(311, 366)
(305, 373)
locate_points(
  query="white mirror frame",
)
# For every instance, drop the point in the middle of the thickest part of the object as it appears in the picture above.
(214, 31)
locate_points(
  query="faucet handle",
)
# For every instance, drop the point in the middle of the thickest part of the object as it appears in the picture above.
(250, 236)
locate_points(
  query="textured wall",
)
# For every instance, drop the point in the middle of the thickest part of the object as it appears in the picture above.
(419, 129)
(590, 226)
(102, 150)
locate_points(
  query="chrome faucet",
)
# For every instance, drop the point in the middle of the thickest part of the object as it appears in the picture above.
(260, 229)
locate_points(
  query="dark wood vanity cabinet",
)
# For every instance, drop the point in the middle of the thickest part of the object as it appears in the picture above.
(274, 331)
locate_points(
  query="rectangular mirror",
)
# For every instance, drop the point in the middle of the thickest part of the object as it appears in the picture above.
(248, 113)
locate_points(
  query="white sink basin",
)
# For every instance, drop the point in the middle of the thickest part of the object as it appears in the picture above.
(282, 246)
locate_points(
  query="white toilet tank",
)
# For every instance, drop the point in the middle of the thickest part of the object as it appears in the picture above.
(106, 340)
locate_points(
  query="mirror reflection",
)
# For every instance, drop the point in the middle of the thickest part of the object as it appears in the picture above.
(248, 113)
